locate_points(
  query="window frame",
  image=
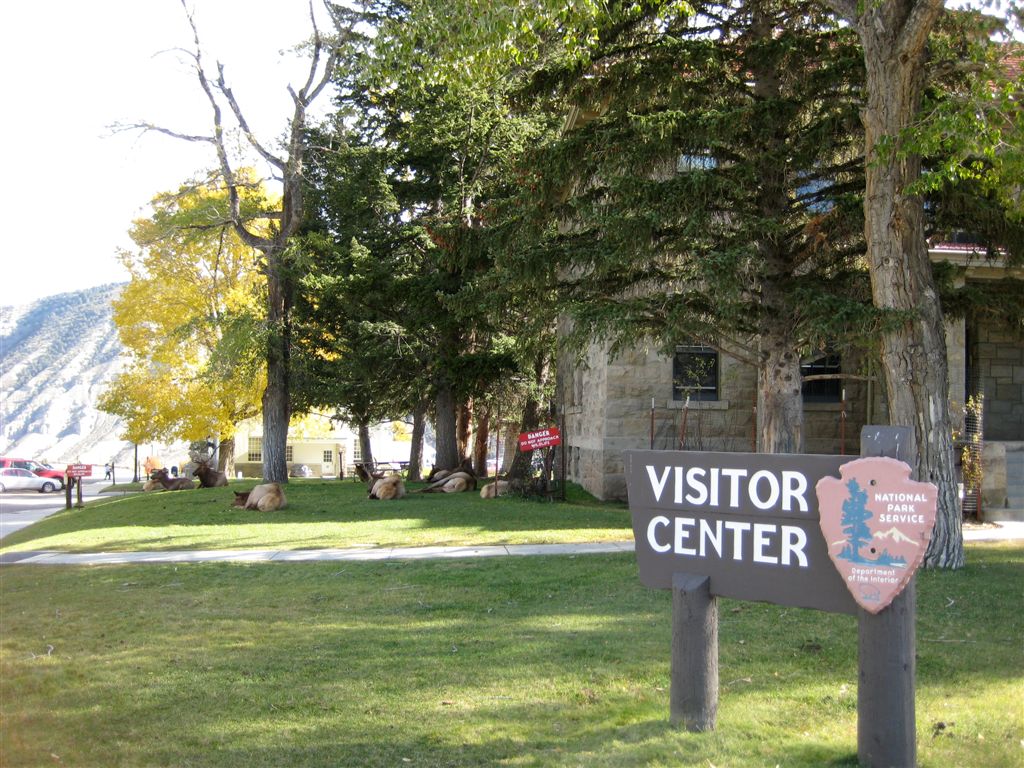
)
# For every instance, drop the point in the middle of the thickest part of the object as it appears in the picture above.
(708, 388)
(826, 390)
(254, 452)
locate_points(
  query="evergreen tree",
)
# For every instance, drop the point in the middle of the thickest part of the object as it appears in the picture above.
(855, 523)
(401, 191)
(706, 190)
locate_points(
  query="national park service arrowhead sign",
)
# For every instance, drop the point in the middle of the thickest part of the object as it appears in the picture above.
(877, 523)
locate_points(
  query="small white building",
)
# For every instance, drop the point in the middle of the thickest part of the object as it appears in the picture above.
(328, 448)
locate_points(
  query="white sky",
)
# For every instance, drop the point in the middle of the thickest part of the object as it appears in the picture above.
(72, 69)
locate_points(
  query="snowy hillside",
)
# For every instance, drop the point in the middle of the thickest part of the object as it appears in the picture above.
(56, 356)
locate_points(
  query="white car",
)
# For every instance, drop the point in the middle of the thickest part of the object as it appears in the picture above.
(14, 479)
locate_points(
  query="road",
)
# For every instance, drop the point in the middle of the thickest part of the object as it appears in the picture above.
(22, 508)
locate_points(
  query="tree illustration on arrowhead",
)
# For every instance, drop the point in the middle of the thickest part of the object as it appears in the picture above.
(855, 523)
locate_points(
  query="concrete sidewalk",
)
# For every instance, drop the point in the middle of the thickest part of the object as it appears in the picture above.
(311, 555)
(994, 532)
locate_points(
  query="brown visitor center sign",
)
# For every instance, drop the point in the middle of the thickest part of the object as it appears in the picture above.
(748, 521)
(835, 533)
(754, 524)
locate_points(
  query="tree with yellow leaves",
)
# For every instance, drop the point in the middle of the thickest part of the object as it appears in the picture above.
(191, 319)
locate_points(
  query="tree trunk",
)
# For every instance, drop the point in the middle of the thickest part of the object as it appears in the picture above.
(914, 353)
(365, 449)
(277, 395)
(521, 468)
(509, 448)
(464, 428)
(419, 427)
(780, 402)
(226, 456)
(480, 442)
(780, 410)
(444, 428)
(522, 464)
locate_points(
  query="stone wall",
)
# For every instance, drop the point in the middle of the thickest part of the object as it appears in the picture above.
(608, 407)
(998, 362)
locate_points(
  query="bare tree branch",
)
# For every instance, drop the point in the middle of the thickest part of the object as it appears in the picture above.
(243, 123)
(146, 127)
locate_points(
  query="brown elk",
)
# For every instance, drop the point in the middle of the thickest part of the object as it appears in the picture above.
(495, 489)
(266, 498)
(209, 477)
(390, 487)
(452, 482)
(172, 483)
(367, 476)
(440, 474)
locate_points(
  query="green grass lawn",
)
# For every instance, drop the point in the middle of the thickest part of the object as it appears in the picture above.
(319, 514)
(545, 661)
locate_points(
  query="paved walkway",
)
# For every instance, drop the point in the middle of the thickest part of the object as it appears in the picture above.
(311, 555)
(994, 532)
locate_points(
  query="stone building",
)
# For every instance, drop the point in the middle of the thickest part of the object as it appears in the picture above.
(702, 399)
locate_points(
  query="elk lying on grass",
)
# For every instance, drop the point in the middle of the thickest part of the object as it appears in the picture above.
(495, 489)
(366, 476)
(387, 488)
(455, 481)
(172, 483)
(440, 474)
(266, 498)
(209, 477)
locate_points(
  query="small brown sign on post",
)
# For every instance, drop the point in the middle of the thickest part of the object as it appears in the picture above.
(74, 474)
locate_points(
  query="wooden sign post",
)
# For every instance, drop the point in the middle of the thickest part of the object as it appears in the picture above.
(693, 692)
(73, 475)
(887, 642)
(823, 532)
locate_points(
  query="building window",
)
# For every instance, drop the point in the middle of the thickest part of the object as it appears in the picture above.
(328, 457)
(288, 453)
(826, 390)
(357, 451)
(695, 373)
(698, 162)
(255, 449)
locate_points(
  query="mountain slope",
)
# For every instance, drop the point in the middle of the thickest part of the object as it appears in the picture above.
(56, 356)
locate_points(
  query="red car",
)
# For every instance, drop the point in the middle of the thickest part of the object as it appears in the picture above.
(35, 467)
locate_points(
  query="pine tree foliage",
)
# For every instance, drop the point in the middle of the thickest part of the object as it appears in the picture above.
(707, 185)
(401, 291)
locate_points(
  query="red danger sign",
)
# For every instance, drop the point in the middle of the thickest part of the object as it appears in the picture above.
(541, 438)
(79, 470)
